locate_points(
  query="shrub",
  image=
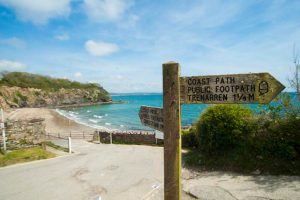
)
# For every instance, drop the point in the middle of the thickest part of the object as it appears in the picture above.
(27, 80)
(15, 100)
(278, 129)
(229, 137)
(188, 137)
(222, 128)
(48, 84)
(282, 107)
(278, 139)
(22, 97)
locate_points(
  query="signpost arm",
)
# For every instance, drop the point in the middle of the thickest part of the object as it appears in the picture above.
(172, 127)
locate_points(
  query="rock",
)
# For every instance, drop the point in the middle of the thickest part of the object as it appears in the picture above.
(210, 193)
(15, 97)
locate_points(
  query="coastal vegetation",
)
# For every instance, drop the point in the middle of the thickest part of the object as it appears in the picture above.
(24, 155)
(21, 89)
(28, 80)
(232, 137)
(57, 147)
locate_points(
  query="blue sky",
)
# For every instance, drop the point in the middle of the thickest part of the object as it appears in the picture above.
(122, 44)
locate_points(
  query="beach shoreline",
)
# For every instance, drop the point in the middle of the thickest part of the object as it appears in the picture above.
(83, 104)
(54, 121)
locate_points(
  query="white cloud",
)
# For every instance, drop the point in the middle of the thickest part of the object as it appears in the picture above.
(8, 65)
(39, 12)
(62, 37)
(100, 48)
(78, 74)
(119, 77)
(106, 10)
(15, 42)
(208, 14)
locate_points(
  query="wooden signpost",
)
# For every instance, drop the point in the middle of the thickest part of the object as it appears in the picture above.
(231, 88)
(152, 117)
(217, 89)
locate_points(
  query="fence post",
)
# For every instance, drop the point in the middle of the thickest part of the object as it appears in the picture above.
(70, 133)
(43, 145)
(83, 134)
(110, 137)
(99, 138)
(58, 135)
(70, 145)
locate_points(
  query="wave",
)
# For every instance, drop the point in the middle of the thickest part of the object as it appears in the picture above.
(70, 115)
(97, 116)
(79, 121)
(94, 121)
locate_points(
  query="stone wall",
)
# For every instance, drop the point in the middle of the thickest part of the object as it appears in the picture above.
(138, 137)
(24, 133)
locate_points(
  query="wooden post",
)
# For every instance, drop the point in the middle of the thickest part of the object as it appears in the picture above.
(3, 132)
(172, 127)
(44, 145)
(110, 137)
(83, 134)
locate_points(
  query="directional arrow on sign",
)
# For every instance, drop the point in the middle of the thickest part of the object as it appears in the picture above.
(152, 117)
(232, 88)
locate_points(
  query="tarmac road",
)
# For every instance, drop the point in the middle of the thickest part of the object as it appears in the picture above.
(131, 172)
(109, 171)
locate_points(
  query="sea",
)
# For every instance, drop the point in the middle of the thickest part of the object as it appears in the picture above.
(124, 116)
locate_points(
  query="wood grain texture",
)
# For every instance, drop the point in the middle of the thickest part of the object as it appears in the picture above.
(172, 127)
(152, 117)
(230, 88)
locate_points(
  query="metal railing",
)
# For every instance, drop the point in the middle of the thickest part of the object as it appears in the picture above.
(74, 135)
(61, 141)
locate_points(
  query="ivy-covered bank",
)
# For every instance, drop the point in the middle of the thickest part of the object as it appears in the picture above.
(232, 137)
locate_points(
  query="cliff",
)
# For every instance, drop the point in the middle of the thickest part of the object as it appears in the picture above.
(29, 90)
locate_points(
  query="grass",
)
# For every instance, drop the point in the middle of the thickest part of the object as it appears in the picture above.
(159, 143)
(126, 142)
(60, 148)
(24, 155)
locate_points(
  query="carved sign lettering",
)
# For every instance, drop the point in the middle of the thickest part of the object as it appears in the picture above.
(152, 117)
(233, 88)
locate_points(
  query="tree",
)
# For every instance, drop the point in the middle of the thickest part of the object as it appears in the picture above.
(295, 80)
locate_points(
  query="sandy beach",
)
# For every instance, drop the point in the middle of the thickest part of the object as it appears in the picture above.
(55, 123)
